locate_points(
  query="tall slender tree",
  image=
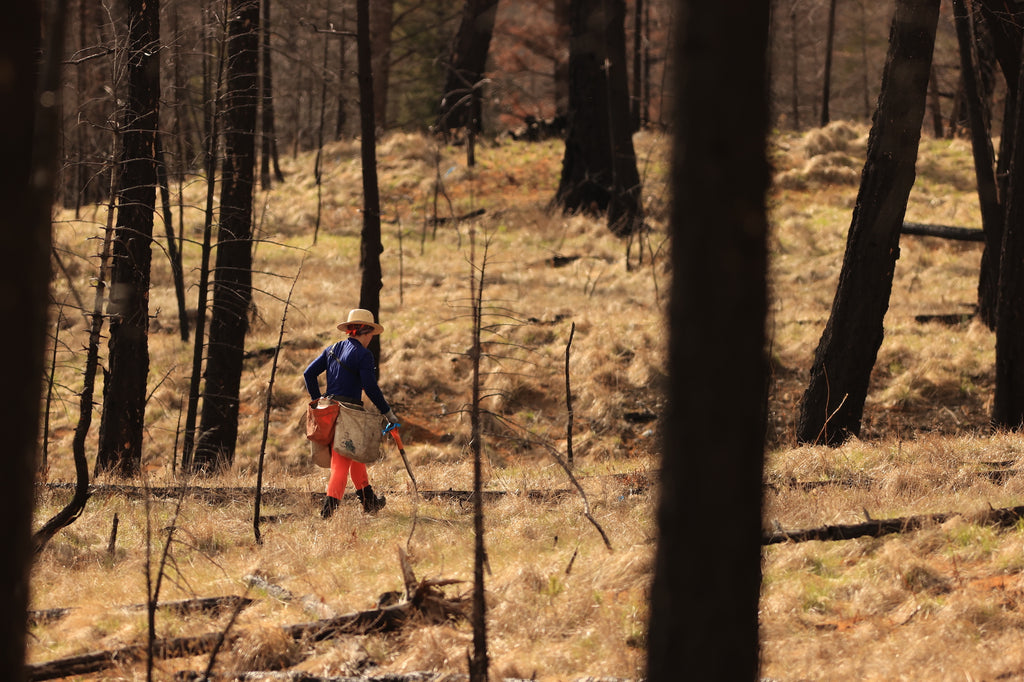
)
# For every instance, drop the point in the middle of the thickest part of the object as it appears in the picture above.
(124, 391)
(232, 285)
(268, 132)
(382, 14)
(826, 84)
(599, 174)
(370, 248)
(984, 166)
(833, 404)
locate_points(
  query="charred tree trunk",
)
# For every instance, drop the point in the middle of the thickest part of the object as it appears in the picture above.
(562, 32)
(268, 136)
(636, 97)
(124, 393)
(1008, 403)
(381, 14)
(833, 403)
(232, 285)
(370, 244)
(984, 168)
(460, 101)
(599, 174)
(28, 147)
(826, 88)
(705, 612)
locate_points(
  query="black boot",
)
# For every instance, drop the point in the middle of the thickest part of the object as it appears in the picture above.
(330, 504)
(371, 503)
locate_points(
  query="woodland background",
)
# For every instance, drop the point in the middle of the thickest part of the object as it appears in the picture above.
(826, 62)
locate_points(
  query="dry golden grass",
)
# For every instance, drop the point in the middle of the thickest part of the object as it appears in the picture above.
(937, 604)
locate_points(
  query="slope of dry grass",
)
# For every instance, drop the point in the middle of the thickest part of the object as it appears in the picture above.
(936, 604)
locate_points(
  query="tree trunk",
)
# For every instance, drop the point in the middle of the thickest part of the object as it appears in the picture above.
(460, 101)
(599, 172)
(124, 391)
(704, 612)
(268, 134)
(826, 88)
(370, 243)
(1008, 403)
(381, 13)
(562, 32)
(984, 168)
(833, 403)
(636, 97)
(232, 285)
(29, 155)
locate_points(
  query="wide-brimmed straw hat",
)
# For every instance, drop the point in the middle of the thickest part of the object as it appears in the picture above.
(358, 317)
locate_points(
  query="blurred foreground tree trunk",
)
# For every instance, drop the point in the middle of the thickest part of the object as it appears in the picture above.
(460, 100)
(703, 619)
(599, 174)
(833, 404)
(124, 390)
(28, 148)
(232, 284)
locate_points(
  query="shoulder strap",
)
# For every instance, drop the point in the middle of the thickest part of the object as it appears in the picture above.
(330, 351)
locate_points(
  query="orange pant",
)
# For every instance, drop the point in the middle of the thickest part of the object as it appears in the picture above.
(340, 467)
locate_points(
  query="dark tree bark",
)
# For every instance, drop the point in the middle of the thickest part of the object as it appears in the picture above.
(562, 32)
(704, 612)
(381, 14)
(636, 97)
(460, 100)
(833, 404)
(372, 279)
(124, 391)
(599, 174)
(232, 285)
(984, 168)
(268, 133)
(342, 114)
(826, 88)
(1008, 402)
(29, 154)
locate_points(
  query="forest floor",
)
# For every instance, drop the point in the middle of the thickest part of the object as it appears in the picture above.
(935, 604)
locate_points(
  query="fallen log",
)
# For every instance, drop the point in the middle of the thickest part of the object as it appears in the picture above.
(183, 606)
(1004, 517)
(426, 604)
(964, 234)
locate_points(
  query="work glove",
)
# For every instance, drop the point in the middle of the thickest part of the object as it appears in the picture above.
(390, 416)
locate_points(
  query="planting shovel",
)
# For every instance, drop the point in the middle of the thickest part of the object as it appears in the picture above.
(393, 430)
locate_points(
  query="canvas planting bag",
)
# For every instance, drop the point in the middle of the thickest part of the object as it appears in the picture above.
(357, 433)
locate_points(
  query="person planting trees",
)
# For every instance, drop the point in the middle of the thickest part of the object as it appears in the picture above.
(351, 371)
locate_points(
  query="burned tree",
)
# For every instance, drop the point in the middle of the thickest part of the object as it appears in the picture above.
(232, 285)
(124, 391)
(599, 174)
(833, 403)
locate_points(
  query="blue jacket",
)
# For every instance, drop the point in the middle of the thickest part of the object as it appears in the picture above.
(350, 371)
